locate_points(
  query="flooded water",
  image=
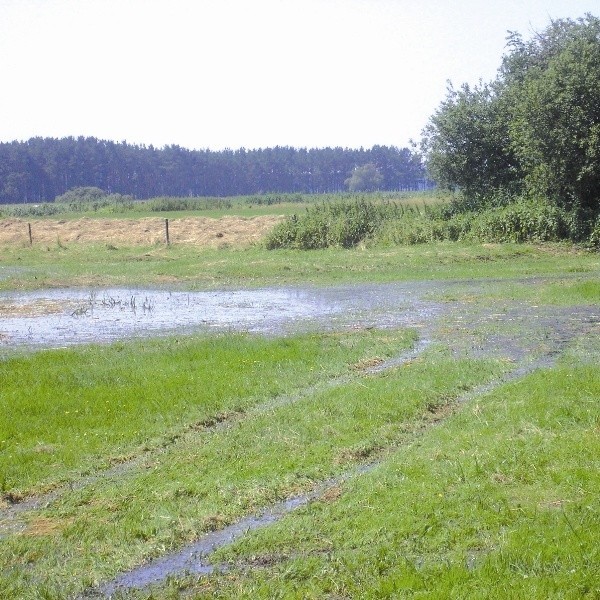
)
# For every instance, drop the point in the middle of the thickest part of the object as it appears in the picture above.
(56, 318)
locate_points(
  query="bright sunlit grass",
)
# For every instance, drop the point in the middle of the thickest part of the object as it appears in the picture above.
(82, 264)
(500, 501)
(62, 411)
(207, 481)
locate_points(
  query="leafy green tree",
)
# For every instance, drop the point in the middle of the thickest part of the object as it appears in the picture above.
(535, 130)
(365, 178)
(465, 142)
(555, 130)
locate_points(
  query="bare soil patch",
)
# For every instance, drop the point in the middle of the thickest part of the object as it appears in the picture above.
(34, 308)
(197, 231)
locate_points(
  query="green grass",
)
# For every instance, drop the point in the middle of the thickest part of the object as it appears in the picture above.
(581, 288)
(172, 207)
(500, 501)
(213, 478)
(193, 268)
(496, 497)
(63, 411)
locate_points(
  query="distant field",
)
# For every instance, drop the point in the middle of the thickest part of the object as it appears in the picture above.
(114, 231)
(201, 222)
(168, 207)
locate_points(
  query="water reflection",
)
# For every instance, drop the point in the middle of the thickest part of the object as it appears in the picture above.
(53, 318)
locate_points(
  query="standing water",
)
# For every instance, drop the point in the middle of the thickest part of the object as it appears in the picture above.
(55, 318)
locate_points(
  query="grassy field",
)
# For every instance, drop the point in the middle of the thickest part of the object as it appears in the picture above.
(64, 412)
(195, 268)
(244, 206)
(500, 501)
(113, 455)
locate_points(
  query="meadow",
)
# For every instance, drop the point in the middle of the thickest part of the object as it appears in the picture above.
(468, 468)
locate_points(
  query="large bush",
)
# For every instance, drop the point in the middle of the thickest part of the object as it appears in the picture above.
(342, 224)
(520, 222)
(81, 194)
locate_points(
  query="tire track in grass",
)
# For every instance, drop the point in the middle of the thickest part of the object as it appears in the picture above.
(194, 559)
(12, 516)
(523, 331)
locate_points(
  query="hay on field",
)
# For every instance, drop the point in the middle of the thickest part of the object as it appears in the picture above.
(196, 231)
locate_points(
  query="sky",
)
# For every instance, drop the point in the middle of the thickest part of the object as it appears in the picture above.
(249, 73)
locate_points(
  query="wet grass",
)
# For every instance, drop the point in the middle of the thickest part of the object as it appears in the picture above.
(500, 500)
(211, 479)
(189, 267)
(65, 411)
(496, 497)
(564, 291)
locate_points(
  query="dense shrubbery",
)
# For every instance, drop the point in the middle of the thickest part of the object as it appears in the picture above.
(77, 200)
(521, 221)
(340, 223)
(81, 199)
(530, 137)
(345, 224)
(168, 204)
(534, 130)
(270, 199)
(594, 239)
(81, 194)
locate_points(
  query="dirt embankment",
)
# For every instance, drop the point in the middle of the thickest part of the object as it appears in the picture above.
(196, 231)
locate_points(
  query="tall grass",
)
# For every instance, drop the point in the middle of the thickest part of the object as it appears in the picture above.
(346, 224)
(342, 223)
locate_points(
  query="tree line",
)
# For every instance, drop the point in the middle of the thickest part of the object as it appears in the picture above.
(41, 169)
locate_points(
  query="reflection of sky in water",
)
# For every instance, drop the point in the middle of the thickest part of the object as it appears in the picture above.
(110, 314)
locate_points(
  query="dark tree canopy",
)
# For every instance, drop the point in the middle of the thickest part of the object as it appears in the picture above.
(42, 169)
(535, 130)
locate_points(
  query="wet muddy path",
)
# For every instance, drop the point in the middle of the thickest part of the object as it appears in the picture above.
(527, 336)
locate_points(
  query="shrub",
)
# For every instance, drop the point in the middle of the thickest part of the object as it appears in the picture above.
(342, 224)
(33, 210)
(173, 204)
(594, 239)
(522, 221)
(81, 194)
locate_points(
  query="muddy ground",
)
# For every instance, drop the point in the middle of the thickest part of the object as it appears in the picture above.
(197, 231)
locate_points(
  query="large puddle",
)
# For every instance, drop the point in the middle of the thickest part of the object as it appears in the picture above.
(56, 318)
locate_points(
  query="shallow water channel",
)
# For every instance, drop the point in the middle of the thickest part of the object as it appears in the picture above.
(63, 317)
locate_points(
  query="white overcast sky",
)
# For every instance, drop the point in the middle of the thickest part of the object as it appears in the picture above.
(249, 73)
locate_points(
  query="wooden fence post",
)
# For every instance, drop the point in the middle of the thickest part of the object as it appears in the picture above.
(167, 231)
(30, 236)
